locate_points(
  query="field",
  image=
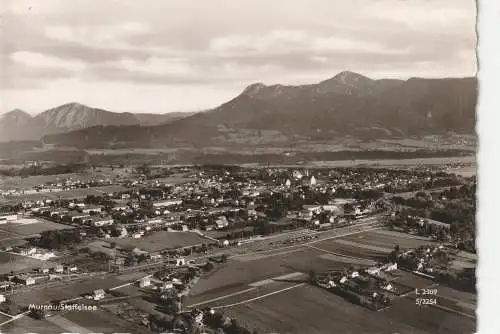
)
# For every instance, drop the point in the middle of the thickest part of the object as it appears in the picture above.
(12, 234)
(67, 194)
(464, 171)
(31, 226)
(304, 309)
(73, 289)
(29, 325)
(99, 321)
(381, 162)
(251, 288)
(160, 241)
(13, 262)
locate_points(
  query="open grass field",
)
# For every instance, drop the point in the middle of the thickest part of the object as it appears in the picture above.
(3, 318)
(375, 245)
(466, 171)
(309, 309)
(12, 262)
(388, 239)
(380, 162)
(102, 321)
(30, 181)
(239, 272)
(161, 240)
(29, 325)
(83, 322)
(243, 269)
(67, 194)
(5, 234)
(67, 290)
(466, 298)
(235, 287)
(35, 226)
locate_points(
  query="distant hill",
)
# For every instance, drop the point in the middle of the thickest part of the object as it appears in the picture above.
(13, 125)
(19, 125)
(346, 105)
(73, 116)
(157, 119)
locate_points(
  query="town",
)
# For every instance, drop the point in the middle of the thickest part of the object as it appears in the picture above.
(198, 249)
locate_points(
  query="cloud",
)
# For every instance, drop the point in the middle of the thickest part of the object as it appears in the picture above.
(38, 60)
(223, 45)
(97, 35)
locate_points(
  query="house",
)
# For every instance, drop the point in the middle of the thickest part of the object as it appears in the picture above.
(198, 318)
(354, 274)
(2, 298)
(155, 256)
(154, 221)
(333, 208)
(72, 268)
(167, 286)
(57, 213)
(59, 269)
(5, 284)
(176, 281)
(28, 252)
(328, 285)
(313, 181)
(144, 282)
(316, 209)
(102, 221)
(123, 232)
(120, 208)
(221, 222)
(98, 294)
(91, 209)
(26, 280)
(42, 270)
(76, 216)
(390, 266)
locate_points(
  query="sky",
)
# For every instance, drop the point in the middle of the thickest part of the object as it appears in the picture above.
(159, 56)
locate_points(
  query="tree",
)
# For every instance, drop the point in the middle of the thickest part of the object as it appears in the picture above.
(208, 266)
(312, 276)
(131, 259)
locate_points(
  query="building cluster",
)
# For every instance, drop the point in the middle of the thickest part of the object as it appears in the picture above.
(38, 275)
(370, 287)
(427, 259)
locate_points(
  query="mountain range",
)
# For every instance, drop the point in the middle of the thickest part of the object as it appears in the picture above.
(18, 125)
(346, 105)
